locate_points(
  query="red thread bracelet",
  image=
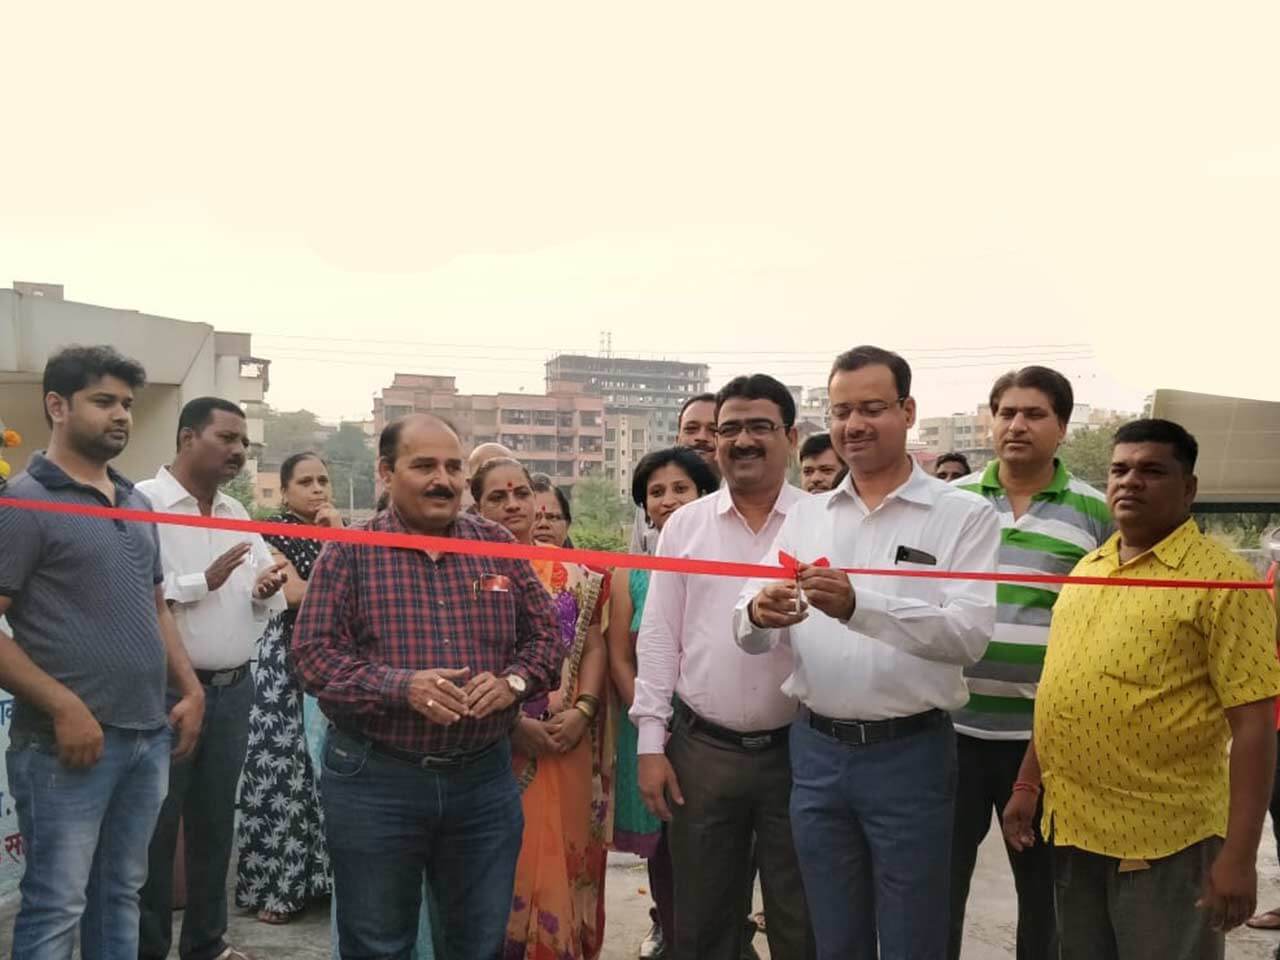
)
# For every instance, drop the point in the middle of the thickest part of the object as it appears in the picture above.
(1026, 786)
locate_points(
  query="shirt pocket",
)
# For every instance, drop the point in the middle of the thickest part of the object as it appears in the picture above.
(492, 616)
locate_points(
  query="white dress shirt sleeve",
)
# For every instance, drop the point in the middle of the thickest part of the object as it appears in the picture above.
(184, 587)
(658, 652)
(957, 630)
(749, 637)
(262, 560)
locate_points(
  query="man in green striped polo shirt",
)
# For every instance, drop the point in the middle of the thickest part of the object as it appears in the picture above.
(1049, 520)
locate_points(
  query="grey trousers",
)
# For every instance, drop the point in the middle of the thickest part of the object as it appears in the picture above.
(1104, 914)
(729, 795)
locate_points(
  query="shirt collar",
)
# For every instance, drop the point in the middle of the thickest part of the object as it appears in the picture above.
(1170, 551)
(918, 488)
(788, 497)
(52, 477)
(990, 481)
(170, 492)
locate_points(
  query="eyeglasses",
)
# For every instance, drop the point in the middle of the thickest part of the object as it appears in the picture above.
(759, 429)
(871, 410)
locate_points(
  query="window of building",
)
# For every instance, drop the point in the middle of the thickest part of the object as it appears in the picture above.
(610, 435)
(590, 418)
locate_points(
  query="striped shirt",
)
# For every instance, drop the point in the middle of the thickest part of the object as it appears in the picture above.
(1065, 521)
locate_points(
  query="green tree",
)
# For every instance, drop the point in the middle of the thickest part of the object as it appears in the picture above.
(351, 467)
(599, 513)
(1087, 453)
(241, 488)
(285, 433)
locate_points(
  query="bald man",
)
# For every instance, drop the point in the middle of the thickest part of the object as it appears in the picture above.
(485, 451)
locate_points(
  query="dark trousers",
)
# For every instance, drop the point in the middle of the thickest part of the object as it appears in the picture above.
(386, 821)
(987, 770)
(729, 795)
(1275, 799)
(1104, 914)
(873, 830)
(662, 886)
(202, 794)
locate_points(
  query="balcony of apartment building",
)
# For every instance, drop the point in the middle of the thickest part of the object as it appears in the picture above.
(591, 445)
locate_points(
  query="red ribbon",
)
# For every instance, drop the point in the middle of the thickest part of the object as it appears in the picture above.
(791, 566)
(594, 558)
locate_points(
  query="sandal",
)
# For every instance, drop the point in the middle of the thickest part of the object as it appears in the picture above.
(1265, 921)
(273, 918)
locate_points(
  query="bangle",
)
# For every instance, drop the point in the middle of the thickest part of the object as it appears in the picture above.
(1026, 786)
(588, 704)
(588, 698)
(583, 709)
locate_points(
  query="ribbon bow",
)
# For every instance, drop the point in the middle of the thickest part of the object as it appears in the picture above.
(792, 566)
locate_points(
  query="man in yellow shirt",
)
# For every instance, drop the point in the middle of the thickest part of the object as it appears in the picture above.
(1154, 854)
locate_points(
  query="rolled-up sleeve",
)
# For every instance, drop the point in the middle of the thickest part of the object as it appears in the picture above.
(536, 654)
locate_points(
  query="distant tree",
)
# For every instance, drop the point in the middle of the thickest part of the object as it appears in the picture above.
(241, 488)
(597, 504)
(1087, 453)
(288, 432)
(589, 538)
(351, 467)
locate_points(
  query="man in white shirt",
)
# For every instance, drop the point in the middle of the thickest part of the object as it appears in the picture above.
(222, 587)
(879, 662)
(725, 774)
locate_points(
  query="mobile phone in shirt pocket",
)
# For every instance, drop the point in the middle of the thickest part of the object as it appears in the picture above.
(493, 611)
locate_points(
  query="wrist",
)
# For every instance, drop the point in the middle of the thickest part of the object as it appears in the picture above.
(753, 616)
(1026, 786)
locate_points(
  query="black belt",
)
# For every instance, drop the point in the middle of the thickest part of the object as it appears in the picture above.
(863, 732)
(753, 742)
(223, 678)
(425, 761)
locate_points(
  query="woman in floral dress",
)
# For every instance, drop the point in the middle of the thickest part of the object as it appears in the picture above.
(560, 744)
(283, 859)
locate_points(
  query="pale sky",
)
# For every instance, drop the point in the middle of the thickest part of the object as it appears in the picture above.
(466, 188)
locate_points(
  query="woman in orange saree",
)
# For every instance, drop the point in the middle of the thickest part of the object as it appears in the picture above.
(562, 747)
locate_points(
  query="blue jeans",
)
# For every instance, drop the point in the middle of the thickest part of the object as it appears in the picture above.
(202, 794)
(86, 833)
(387, 822)
(872, 827)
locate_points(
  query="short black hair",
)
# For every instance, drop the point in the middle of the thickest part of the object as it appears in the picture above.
(759, 386)
(700, 398)
(1185, 448)
(959, 458)
(541, 483)
(684, 458)
(1049, 382)
(291, 463)
(815, 445)
(198, 412)
(477, 479)
(868, 356)
(72, 369)
(389, 439)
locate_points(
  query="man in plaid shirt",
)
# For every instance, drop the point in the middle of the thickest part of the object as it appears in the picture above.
(419, 661)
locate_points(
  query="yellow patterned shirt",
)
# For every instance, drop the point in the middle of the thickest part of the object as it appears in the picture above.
(1129, 723)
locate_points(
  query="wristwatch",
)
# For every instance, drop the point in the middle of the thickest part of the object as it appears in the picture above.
(519, 686)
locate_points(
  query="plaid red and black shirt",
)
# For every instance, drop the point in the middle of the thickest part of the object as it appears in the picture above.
(373, 616)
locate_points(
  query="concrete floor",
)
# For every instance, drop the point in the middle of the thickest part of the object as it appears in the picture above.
(989, 930)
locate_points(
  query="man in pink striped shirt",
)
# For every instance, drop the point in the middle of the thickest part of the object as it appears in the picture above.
(725, 773)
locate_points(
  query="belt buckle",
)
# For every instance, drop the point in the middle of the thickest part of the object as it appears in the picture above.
(222, 678)
(757, 742)
(852, 725)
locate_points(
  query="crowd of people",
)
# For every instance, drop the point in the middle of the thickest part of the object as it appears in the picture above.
(448, 743)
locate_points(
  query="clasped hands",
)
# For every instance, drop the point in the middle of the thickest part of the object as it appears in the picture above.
(446, 696)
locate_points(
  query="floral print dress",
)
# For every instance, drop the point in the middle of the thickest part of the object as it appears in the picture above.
(283, 859)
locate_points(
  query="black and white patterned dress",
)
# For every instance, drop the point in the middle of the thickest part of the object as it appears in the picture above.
(283, 859)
